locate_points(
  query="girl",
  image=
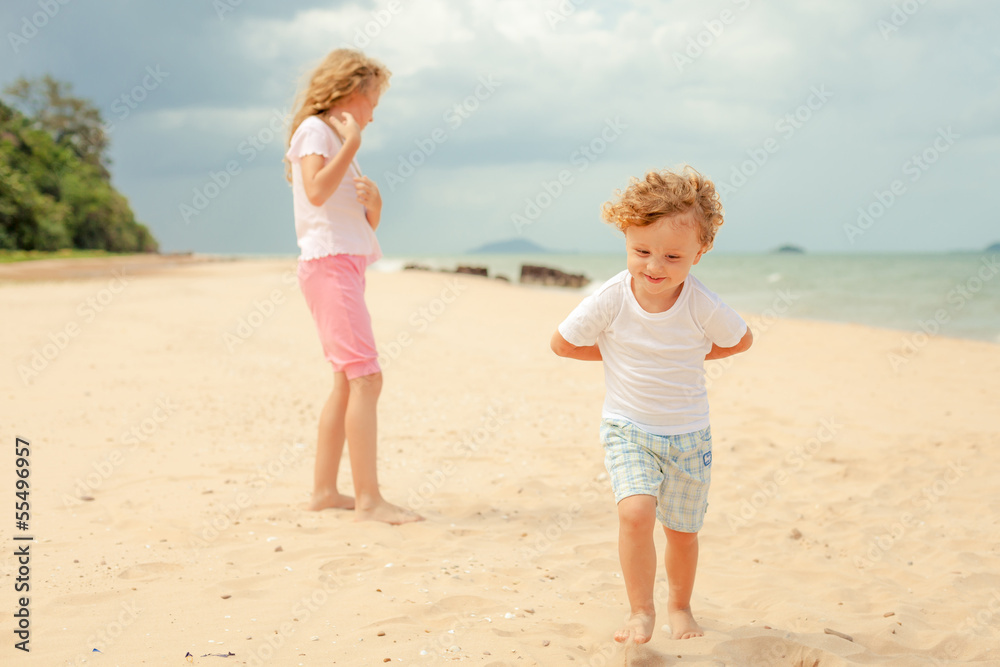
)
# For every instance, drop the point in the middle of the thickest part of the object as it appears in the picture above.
(337, 210)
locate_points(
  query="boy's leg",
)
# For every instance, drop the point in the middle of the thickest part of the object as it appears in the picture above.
(362, 436)
(682, 563)
(330, 448)
(636, 518)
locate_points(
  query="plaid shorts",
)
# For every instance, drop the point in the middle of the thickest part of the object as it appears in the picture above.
(675, 469)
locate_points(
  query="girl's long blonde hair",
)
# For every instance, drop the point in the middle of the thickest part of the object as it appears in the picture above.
(341, 73)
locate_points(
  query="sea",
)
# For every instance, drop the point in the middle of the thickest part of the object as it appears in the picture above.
(955, 295)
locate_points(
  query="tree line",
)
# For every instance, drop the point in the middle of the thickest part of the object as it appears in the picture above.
(55, 187)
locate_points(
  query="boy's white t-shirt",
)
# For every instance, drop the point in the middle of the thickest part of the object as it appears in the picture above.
(654, 363)
(339, 225)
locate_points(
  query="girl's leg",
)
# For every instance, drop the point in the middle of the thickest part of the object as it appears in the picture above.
(330, 448)
(637, 552)
(362, 437)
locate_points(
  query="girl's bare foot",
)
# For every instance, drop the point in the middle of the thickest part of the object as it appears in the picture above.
(638, 628)
(386, 512)
(683, 625)
(331, 501)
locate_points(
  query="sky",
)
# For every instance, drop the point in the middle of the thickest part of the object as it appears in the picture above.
(836, 125)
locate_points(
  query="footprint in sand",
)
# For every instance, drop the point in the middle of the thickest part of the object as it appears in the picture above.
(791, 653)
(346, 564)
(150, 570)
(642, 655)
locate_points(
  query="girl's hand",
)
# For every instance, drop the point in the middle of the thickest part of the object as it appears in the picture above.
(346, 126)
(368, 193)
(370, 197)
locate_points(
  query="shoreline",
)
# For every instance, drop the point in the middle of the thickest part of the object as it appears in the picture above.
(85, 268)
(90, 268)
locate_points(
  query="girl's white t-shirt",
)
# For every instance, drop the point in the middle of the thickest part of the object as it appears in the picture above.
(654, 363)
(338, 226)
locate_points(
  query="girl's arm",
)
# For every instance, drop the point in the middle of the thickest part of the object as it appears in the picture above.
(722, 352)
(564, 348)
(322, 177)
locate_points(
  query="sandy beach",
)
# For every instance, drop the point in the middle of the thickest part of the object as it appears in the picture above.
(171, 416)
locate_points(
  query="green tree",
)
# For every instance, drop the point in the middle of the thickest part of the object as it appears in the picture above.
(69, 120)
(52, 197)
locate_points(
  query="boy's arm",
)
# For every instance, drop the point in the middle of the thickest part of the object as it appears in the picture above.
(564, 348)
(722, 352)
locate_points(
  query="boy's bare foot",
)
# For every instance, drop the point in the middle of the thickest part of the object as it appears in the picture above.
(638, 628)
(331, 501)
(386, 512)
(683, 625)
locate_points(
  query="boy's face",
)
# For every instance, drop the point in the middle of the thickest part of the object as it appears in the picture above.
(661, 255)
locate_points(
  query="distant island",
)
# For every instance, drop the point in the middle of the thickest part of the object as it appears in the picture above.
(511, 247)
(994, 248)
(792, 249)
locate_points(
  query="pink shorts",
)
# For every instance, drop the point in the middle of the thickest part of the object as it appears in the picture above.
(334, 288)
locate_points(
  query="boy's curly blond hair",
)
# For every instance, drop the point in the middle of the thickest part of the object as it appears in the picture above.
(666, 193)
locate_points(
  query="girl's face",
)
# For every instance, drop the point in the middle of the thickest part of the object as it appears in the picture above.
(361, 105)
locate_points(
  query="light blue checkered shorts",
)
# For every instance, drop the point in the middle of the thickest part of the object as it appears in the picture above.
(675, 469)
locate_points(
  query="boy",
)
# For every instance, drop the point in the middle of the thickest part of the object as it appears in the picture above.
(653, 326)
